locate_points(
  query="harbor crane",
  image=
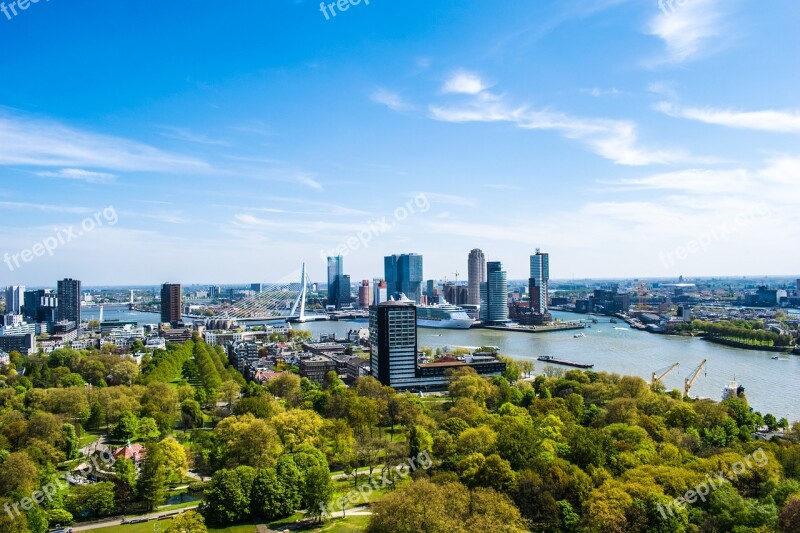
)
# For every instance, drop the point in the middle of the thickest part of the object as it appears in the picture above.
(693, 377)
(658, 375)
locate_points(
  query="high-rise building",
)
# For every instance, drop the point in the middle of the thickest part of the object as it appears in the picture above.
(342, 290)
(69, 301)
(393, 337)
(404, 275)
(364, 294)
(15, 299)
(456, 294)
(477, 275)
(494, 294)
(335, 268)
(40, 305)
(171, 303)
(539, 281)
(214, 291)
(257, 288)
(380, 291)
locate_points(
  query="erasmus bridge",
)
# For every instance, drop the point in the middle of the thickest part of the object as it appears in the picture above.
(277, 301)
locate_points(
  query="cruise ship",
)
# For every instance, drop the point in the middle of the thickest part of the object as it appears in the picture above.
(443, 315)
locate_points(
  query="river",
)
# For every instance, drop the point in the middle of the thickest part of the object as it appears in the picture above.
(769, 384)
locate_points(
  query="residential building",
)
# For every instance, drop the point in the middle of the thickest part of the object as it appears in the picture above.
(364, 295)
(171, 303)
(477, 275)
(494, 294)
(15, 299)
(69, 301)
(456, 294)
(393, 339)
(24, 344)
(538, 282)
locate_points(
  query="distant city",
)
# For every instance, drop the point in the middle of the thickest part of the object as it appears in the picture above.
(394, 306)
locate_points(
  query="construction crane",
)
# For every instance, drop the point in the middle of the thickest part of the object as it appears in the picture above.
(456, 274)
(687, 385)
(658, 375)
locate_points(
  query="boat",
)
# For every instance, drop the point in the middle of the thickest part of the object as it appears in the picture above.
(775, 357)
(580, 335)
(732, 390)
(565, 362)
(443, 315)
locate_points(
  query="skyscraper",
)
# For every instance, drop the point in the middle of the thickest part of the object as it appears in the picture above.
(40, 305)
(404, 275)
(477, 275)
(380, 291)
(364, 294)
(494, 294)
(393, 336)
(171, 303)
(342, 291)
(335, 269)
(15, 299)
(539, 281)
(69, 301)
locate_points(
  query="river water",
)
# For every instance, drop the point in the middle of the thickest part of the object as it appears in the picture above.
(769, 384)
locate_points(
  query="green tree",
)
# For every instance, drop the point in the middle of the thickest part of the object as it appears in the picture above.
(227, 497)
(188, 522)
(318, 490)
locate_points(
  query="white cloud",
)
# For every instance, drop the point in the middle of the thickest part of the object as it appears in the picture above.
(616, 140)
(449, 199)
(464, 82)
(686, 27)
(787, 121)
(29, 141)
(390, 99)
(79, 174)
(46, 207)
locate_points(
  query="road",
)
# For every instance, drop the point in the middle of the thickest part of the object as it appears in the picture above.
(117, 521)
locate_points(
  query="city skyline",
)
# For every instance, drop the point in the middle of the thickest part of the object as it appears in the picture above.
(619, 136)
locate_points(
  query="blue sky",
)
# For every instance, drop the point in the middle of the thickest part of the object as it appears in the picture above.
(235, 140)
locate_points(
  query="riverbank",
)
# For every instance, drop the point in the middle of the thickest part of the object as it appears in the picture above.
(744, 346)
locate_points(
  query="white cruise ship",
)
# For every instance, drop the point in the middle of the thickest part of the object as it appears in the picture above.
(443, 315)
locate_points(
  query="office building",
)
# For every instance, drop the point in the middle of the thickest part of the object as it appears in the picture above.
(539, 281)
(15, 299)
(494, 294)
(335, 269)
(364, 294)
(24, 344)
(404, 275)
(69, 301)
(342, 292)
(393, 337)
(380, 291)
(171, 303)
(257, 288)
(40, 305)
(393, 359)
(477, 275)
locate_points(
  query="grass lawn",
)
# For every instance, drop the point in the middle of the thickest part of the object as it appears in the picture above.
(351, 524)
